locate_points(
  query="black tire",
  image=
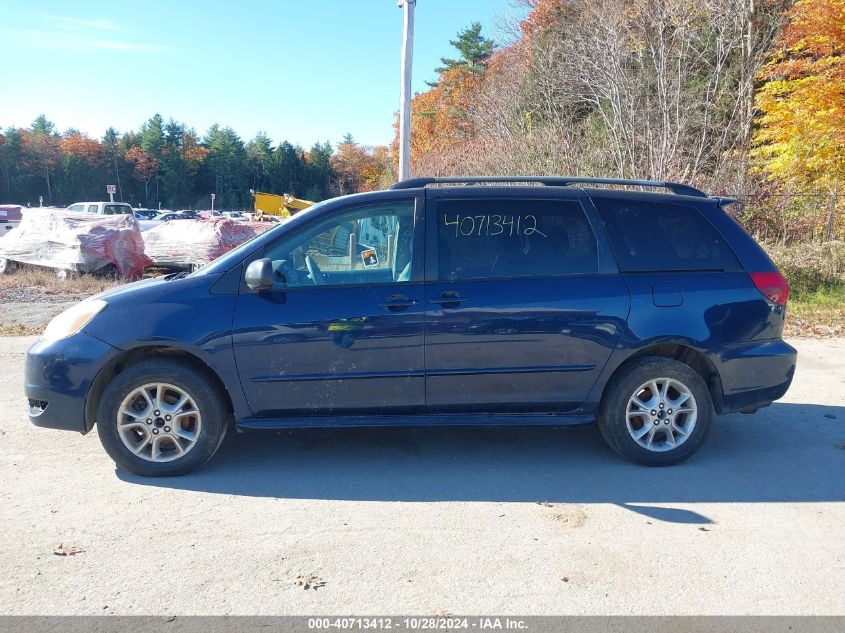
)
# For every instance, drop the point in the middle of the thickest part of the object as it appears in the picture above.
(109, 271)
(214, 413)
(613, 410)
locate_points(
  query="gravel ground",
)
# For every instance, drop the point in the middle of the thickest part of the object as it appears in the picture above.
(32, 307)
(398, 521)
(31, 314)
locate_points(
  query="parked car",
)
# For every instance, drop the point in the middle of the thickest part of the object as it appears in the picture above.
(146, 214)
(102, 208)
(173, 216)
(559, 304)
(10, 217)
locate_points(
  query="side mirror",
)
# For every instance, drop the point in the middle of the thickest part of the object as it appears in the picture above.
(259, 274)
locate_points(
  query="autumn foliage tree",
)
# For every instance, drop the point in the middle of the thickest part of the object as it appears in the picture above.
(83, 159)
(440, 120)
(359, 168)
(800, 142)
(144, 168)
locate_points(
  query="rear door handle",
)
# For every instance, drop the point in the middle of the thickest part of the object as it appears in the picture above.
(397, 303)
(449, 299)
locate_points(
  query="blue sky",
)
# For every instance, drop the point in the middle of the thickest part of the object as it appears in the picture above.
(302, 70)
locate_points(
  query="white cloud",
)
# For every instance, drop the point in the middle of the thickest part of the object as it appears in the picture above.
(80, 35)
(78, 24)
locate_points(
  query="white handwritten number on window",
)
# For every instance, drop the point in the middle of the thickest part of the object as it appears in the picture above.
(492, 225)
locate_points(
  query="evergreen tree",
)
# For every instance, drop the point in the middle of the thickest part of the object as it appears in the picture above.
(475, 51)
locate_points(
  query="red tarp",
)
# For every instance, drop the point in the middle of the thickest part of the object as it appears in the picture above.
(197, 242)
(83, 242)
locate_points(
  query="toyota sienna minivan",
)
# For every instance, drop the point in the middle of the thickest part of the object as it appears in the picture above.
(462, 301)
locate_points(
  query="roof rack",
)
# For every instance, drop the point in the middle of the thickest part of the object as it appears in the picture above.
(552, 181)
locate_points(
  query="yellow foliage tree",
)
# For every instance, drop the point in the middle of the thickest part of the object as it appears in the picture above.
(800, 141)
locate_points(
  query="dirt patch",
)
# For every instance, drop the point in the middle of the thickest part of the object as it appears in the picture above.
(820, 323)
(21, 318)
(566, 516)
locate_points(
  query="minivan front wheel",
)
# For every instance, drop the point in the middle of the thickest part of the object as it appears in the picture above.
(656, 412)
(161, 417)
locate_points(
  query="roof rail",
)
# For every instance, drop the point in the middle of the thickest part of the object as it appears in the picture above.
(552, 181)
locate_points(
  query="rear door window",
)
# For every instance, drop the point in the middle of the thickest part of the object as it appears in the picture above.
(504, 238)
(661, 236)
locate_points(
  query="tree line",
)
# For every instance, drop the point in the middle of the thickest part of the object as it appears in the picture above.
(168, 164)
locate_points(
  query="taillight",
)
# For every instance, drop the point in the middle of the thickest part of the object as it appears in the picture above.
(773, 285)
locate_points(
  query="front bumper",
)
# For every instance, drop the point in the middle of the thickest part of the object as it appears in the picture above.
(58, 376)
(754, 375)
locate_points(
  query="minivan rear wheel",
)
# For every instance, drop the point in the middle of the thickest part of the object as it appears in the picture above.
(161, 417)
(656, 412)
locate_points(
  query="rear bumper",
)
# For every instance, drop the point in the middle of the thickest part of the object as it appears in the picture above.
(58, 376)
(754, 375)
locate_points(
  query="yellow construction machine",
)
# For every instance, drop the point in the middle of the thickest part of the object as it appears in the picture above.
(271, 204)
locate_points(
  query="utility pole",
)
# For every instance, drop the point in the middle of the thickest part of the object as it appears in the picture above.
(405, 92)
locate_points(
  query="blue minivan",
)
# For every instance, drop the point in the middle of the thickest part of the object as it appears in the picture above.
(463, 301)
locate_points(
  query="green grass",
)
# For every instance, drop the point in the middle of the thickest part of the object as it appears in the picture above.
(827, 296)
(819, 312)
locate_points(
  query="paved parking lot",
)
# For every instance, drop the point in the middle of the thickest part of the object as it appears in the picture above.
(398, 521)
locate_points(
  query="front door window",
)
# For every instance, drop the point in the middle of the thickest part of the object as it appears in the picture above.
(369, 245)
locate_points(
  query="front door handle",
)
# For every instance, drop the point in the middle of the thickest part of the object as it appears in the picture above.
(397, 303)
(449, 299)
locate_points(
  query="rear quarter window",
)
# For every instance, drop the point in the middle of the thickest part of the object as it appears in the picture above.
(661, 236)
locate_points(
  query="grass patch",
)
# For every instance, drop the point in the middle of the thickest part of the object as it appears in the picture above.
(818, 312)
(44, 280)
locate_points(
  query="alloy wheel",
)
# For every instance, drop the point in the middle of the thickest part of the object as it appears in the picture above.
(159, 422)
(661, 414)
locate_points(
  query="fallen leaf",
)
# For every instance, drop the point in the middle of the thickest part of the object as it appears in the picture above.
(66, 550)
(703, 529)
(565, 579)
(171, 618)
(545, 504)
(309, 582)
(442, 613)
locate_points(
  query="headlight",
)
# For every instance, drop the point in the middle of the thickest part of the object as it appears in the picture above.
(74, 319)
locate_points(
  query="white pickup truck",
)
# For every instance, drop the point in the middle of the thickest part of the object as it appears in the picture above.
(103, 208)
(112, 208)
